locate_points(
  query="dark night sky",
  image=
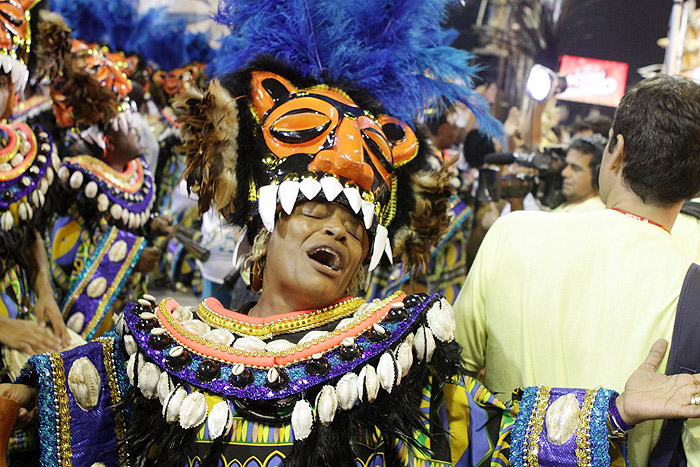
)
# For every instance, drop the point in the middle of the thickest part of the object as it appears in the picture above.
(620, 30)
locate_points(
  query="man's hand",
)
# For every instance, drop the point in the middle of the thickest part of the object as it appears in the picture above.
(27, 336)
(148, 260)
(25, 397)
(161, 225)
(46, 311)
(650, 395)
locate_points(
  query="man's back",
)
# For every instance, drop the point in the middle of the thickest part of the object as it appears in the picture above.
(569, 300)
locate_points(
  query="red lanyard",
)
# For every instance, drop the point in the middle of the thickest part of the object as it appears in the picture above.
(640, 218)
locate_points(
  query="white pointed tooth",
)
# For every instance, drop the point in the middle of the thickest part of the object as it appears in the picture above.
(102, 202)
(346, 389)
(49, 175)
(172, 404)
(149, 375)
(310, 187)
(42, 197)
(90, 189)
(76, 179)
(193, 410)
(367, 213)
(441, 322)
(132, 220)
(15, 75)
(331, 187)
(99, 141)
(404, 357)
(379, 246)
(267, 205)
(165, 385)
(326, 405)
(354, 198)
(220, 420)
(115, 124)
(75, 322)
(130, 345)
(116, 211)
(123, 123)
(6, 64)
(302, 419)
(368, 384)
(387, 251)
(288, 192)
(424, 343)
(35, 198)
(387, 372)
(7, 221)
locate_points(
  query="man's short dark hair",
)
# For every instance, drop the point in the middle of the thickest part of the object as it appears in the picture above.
(593, 146)
(660, 122)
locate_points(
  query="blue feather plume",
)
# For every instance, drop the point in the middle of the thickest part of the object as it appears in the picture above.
(154, 35)
(394, 49)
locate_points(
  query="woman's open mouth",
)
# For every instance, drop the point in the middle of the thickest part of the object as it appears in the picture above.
(326, 256)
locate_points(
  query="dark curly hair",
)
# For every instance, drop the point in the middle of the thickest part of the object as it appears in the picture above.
(660, 122)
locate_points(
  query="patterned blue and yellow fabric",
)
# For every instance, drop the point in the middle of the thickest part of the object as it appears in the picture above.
(91, 271)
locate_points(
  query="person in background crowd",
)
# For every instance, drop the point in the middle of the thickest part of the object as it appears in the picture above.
(580, 187)
(592, 125)
(564, 299)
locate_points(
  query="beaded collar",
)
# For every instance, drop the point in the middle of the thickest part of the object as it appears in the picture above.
(31, 107)
(373, 345)
(27, 164)
(212, 313)
(125, 198)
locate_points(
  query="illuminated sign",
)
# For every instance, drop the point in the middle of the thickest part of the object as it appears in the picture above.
(593, 81)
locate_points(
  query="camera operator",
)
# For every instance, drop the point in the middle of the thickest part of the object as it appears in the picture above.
(580, 186)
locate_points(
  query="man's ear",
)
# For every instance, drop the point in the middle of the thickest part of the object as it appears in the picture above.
(617, 153)
(266, 89)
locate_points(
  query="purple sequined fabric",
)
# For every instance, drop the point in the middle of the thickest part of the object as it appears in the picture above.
(299, 379)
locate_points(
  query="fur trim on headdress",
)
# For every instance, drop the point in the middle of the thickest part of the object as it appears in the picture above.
(91, 102)
(210, 132)
(53, 43)
(429, 220)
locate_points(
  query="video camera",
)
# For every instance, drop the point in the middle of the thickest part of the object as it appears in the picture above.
(548, 180)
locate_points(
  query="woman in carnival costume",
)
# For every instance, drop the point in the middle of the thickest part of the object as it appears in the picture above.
(303, 141)
(27, 163)
(98, 245)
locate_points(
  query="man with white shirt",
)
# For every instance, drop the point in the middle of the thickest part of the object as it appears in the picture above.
(560, 299)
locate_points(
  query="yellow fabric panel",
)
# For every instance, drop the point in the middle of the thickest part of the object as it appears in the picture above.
(570, 300)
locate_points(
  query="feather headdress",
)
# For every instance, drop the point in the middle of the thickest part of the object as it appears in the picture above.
(395, 50)
(153, 35)
(317, 99)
